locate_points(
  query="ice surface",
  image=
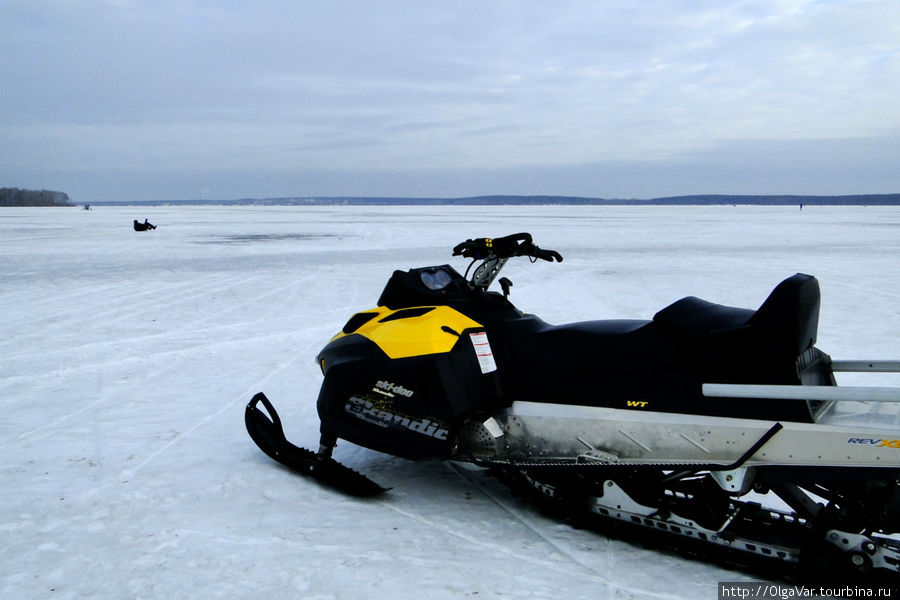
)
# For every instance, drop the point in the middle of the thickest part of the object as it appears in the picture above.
(127, 359)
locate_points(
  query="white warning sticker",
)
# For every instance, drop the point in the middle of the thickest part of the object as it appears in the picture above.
(483, 351)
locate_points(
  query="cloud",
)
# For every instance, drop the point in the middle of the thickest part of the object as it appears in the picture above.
(407, 86)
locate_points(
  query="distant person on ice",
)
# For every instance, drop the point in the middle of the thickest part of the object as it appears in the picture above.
(143, 226)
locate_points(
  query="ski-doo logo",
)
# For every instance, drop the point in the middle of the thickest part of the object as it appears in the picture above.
(377, 415)
(875, 442)
(393, 388)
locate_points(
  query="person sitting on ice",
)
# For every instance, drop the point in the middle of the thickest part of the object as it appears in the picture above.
(143, 226)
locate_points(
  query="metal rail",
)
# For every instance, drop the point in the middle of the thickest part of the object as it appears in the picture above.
(866, 366)
(802, 392)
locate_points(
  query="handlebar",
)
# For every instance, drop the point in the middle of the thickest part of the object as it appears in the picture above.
(517, 244)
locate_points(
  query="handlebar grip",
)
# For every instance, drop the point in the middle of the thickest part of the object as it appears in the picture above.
(476, 248)
(549, 255)
(461, 247)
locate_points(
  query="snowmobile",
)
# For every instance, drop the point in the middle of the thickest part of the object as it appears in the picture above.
(717, 427)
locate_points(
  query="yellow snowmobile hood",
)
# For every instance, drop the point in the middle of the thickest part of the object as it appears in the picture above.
(405, 332)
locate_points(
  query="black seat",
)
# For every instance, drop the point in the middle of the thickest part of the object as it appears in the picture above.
(791, 313)
(698, 319)
(786, 322)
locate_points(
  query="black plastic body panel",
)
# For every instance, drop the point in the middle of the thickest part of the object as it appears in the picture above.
(409, 407)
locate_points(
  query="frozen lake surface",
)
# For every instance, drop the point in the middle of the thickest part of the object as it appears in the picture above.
(126, 360)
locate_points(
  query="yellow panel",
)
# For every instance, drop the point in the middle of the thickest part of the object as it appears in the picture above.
(414, 336)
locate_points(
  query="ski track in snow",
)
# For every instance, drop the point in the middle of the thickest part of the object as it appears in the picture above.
(498, 548)
(528, 523)
(128, 358)
(583, 570)
(229, 406)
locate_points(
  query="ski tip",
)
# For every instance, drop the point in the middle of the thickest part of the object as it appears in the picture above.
(264, 427)
(256, 399)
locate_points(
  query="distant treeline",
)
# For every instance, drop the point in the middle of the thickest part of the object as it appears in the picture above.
(701, 200)
(17, 197)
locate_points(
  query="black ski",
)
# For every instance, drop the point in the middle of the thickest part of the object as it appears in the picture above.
(267, 432)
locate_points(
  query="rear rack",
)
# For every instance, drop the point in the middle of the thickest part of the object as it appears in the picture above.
(830, 393)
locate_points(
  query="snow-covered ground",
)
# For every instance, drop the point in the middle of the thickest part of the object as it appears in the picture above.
(126, 360)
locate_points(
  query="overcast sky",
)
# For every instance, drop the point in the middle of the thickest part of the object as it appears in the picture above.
(157, 99)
